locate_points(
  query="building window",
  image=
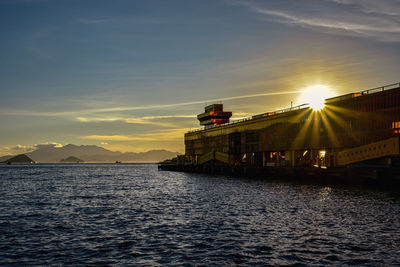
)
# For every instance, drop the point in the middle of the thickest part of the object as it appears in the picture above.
(396, 127)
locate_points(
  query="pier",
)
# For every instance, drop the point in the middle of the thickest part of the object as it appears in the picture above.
(354, 138)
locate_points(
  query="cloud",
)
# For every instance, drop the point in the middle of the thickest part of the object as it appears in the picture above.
(17, 149)
(118, 137)
(21, 1)
(21, 149)
(378, 20)
(134, 108)
(37, 113)
(121, 20)
(386, 7)
(48, 145)
(103, 143)
(165, 106)
(150, 120)
(93, 21)
(165, 135)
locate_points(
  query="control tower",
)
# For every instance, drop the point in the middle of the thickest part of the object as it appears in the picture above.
(214, 115)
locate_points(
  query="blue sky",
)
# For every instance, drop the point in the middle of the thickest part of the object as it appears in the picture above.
(132, 75)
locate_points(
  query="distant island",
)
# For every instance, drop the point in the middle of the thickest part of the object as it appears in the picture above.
(71, 159)
(93, 154)
(22, 158)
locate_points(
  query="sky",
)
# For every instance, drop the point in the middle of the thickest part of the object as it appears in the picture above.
(131, 75)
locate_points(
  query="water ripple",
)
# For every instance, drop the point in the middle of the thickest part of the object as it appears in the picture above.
(135, 215)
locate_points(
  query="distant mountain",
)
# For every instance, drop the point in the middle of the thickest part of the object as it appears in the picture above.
(149, 156)
(22, 158)
(4, 158)
(91, 153)
(71, 159)
(55, 154)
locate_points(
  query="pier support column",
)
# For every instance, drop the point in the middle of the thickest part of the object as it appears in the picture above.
(293, 157)
(290, 156)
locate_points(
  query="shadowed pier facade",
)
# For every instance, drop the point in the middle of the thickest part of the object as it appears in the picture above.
(354, 138)
(300, 136)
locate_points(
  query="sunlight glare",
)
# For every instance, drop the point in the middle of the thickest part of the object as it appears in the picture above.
(315, 95)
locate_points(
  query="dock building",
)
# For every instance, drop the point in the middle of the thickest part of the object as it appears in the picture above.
(356, 128)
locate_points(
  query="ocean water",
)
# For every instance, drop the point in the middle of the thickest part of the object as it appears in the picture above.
(123, 214)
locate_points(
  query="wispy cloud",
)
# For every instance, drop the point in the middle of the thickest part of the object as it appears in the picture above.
(166, 106)
(164, 135)
(93, 21)
(378, 20)
(138, 120)
(386, 7)
(150, 120)
(122, 20)
(79, 114)
(11, 112)
(21, 1)
(20, 149)
(48, 145)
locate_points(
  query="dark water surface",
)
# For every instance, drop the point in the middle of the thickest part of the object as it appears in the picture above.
(136, 215)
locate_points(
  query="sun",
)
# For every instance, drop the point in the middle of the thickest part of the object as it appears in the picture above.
(315, 96)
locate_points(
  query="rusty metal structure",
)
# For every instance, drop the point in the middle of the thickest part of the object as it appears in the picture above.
(361, 127)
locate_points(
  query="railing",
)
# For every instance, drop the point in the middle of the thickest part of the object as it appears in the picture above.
(365, 92)
(380, 89)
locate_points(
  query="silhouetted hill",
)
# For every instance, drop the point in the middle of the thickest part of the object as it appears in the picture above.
(149, 156)
(91, 153)
(22, 158)
(71, 159)
(55, 154)
(4, 158)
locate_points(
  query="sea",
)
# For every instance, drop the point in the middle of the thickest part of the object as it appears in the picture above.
(136, 215)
